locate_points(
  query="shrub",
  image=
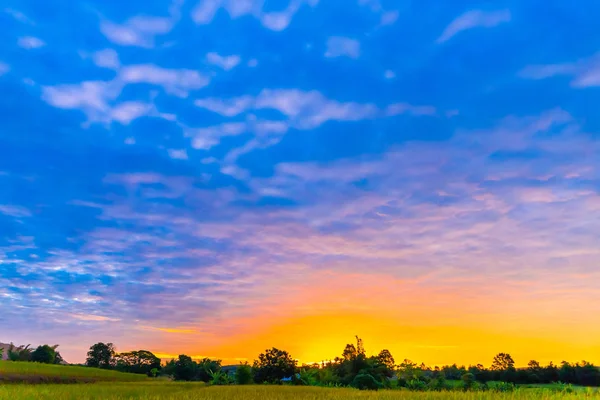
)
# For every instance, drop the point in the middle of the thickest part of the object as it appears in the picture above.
(438, 384)
(243, 375)
(503, 387)
(365, 382)
(468, 381)
(44, 354)
(417, 385)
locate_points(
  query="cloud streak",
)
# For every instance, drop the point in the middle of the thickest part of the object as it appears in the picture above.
(585, 73)
(474, 19)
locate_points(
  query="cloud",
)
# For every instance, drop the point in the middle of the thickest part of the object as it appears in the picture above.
(93, 318)
(226, 107)
(97, 100)
(4, 68)
(178, 154)
(206, 10)
(90, 96)
(107, 58)
(30, 42)
(474, 19)
(585, 72)
(402, 108)
(302, 109)
(225, 62)
(19, 16)
(129, 111)
(14, 211)
(140, 31)
(305, 109)
(174, 81)
(338, 46)
(389, 18)
(205, 138)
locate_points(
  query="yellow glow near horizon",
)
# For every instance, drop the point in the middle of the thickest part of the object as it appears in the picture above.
(427, 325)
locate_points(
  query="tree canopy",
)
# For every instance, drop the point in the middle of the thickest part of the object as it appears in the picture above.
(274, 365)
(101, 355)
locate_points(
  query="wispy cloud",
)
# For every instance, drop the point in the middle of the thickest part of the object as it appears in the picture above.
(14, 211)
(129, 111)
(474, 19)
(338, 46)
(138, 31)
(206, 10)
(389, 18)
(107, 58)
(98, 99)
(93, 318)
(19, 16)
(30, 42)
(306, 109)
(91, 96)
(205, 138)
(4, 68)
(585, 72)
(178, 154)
(174, 81)
(225, 62)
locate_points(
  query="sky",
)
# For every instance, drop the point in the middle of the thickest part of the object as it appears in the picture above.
(218, 177)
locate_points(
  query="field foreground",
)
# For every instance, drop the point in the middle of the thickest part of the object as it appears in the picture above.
(191, 391)
(25, 372)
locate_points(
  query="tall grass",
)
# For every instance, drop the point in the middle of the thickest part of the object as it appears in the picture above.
(194, 391)
(29, 372)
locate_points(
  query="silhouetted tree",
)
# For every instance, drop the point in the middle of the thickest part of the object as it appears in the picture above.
(207, 368)
(21, 353)
(273, 365)
(502, 362)
(184, 368)
(386, 358)
(243, 374)
(137, 362)
(44, 354)
(101, 355)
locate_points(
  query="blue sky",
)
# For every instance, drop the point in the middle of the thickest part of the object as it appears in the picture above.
(180, 164)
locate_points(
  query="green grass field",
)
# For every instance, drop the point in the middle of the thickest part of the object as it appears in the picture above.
(24, 381)
(25, 372)
(192, 391)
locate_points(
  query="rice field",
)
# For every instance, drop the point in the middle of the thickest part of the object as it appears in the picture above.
(192, 391)
(25, 381)
(26, 372)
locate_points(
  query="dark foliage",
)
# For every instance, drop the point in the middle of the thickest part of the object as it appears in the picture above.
(44, 354)
(101, 355)
(137, 362)
(274, 365)
(243, 375)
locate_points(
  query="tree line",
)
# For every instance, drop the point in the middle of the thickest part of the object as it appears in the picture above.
(43, 354)
(353, 368)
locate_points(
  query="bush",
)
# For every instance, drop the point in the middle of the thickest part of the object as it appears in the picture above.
(503, 387)
(468, 381)
(243, 375)
(417, 385)
(44, 354)
(365, 382)
(439, 384)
